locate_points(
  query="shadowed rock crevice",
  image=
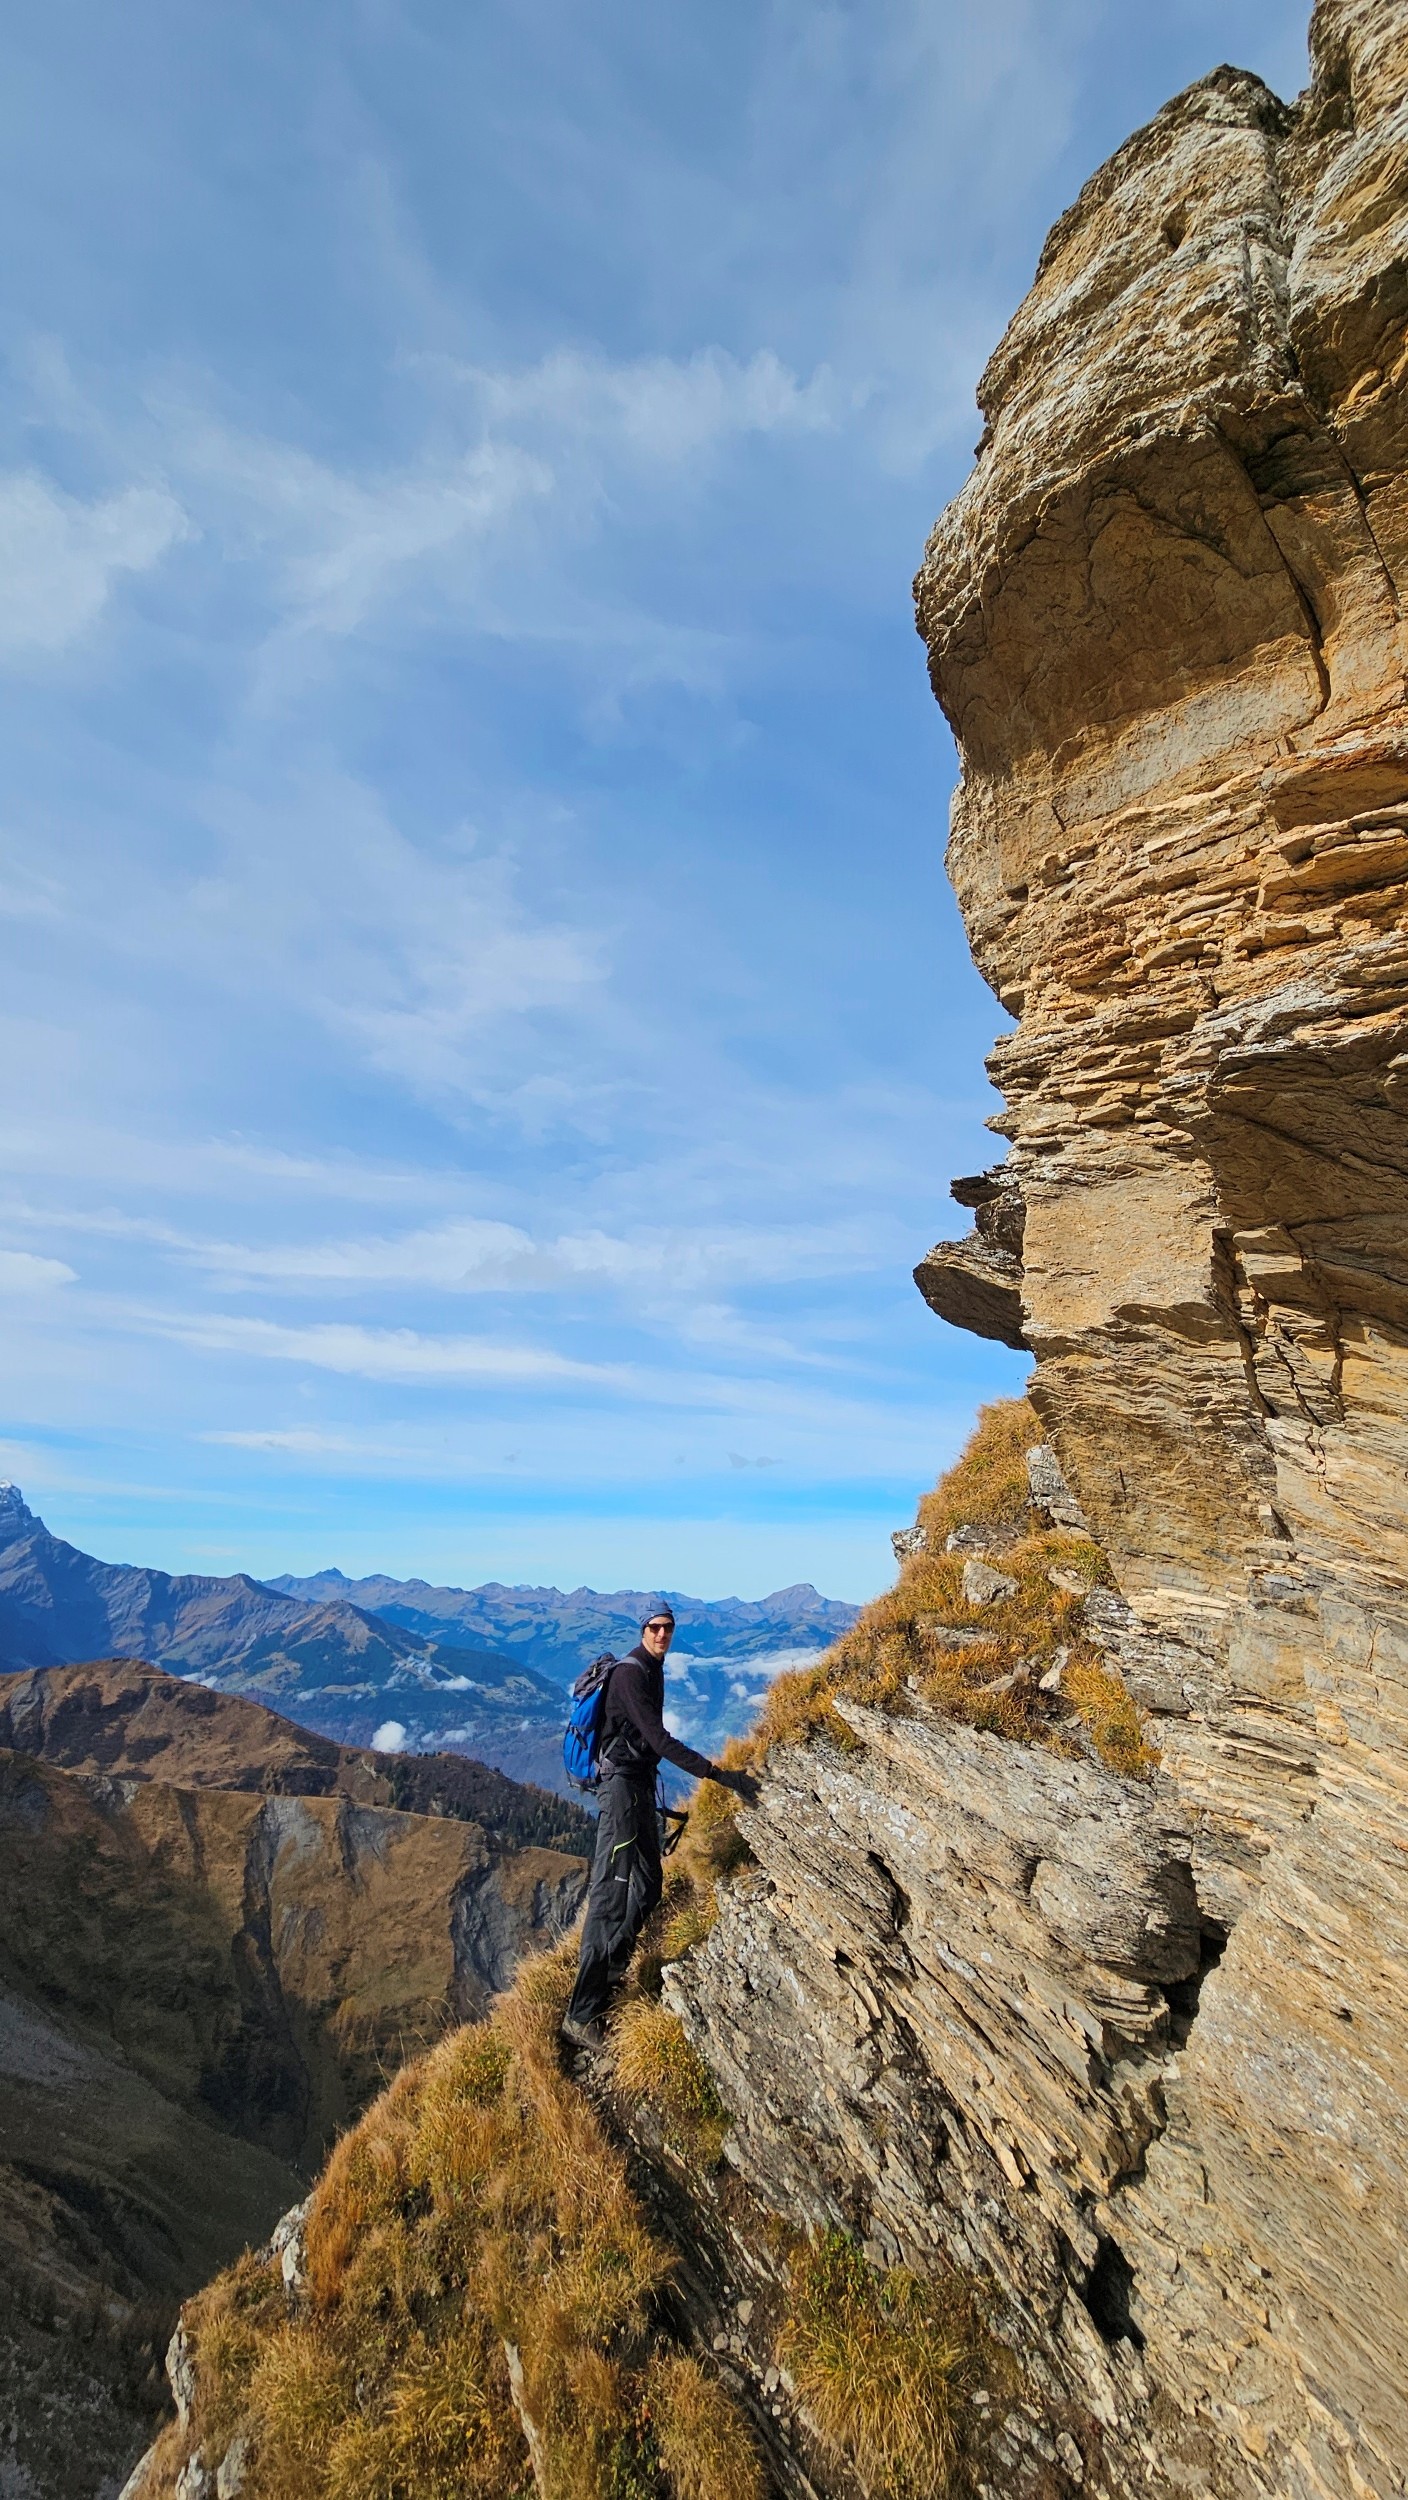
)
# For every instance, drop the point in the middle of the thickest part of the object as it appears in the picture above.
(1108, 2295)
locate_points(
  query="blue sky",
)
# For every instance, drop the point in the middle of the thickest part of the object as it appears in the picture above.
(485, 1032)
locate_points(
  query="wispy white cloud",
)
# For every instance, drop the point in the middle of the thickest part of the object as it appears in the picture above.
(369, 1449)
(214, 1169)
(60, 557)
(665, 410)
(28, 891)
(448, 1257)
(421, 957)
(400, 1354)
(720, 1329)
(24, 1272)
(431, 949)
(428, 1359)
(487, 520)
(485, 1256)
(340, 542)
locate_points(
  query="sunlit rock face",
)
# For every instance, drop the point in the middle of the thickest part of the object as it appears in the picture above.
(1165, 619)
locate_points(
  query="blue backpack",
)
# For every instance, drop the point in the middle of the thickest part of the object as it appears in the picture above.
(581, 1742)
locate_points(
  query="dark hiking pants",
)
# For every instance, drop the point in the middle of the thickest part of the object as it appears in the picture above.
(625, 1888)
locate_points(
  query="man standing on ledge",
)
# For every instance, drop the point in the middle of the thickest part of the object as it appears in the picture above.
(627, 1879)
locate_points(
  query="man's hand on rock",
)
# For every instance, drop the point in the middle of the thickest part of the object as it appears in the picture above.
(746, 1786)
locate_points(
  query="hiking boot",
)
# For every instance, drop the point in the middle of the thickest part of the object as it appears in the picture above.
(584, 2035)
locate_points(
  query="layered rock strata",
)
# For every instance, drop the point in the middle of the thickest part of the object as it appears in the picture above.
(942, 2012)
(1165, 620)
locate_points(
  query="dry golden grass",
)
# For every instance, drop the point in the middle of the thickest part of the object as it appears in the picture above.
(988, 1480)
(713, 1846)
(922, 1646)
(1111, 1716)
(687, 1926)
(703, 2445)
(887, 2366)
(447, 2431)
(652, 2060)
(478, 2205)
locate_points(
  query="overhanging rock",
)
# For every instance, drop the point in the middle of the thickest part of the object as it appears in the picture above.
(976, 1283)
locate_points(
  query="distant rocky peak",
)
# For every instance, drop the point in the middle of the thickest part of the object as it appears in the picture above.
(15, 1512)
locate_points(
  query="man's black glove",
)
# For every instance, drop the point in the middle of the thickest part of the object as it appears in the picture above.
(743, 1783)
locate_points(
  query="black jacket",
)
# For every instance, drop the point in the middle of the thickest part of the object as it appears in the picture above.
(634, 1737)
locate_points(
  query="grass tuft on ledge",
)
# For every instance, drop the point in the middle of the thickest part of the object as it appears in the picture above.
(923, 1646)
(653, 2060)
(701, 2440)
(888, 2366)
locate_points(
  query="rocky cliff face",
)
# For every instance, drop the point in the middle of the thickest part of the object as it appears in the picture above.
(1137, 2052)
(1165, 620)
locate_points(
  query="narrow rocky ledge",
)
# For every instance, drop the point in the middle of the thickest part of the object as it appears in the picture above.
(944, 2009)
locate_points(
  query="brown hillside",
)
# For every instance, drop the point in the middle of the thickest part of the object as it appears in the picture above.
(263, 1959)
(201, 1985)
(114, 2203)
(123, 1716)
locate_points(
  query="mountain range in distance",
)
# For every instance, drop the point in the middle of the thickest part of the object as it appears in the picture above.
(332, 1668)
(400, 1666)
(555, 1630)
(725, 1653)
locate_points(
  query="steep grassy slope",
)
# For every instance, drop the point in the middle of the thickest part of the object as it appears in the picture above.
(505, 2284)
(473, 2306)
(509, 2271)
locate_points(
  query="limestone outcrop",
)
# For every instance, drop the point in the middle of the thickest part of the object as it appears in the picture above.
(1165, 619)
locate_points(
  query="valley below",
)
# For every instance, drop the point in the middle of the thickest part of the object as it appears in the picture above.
(222, 1928)
(218, 1937)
